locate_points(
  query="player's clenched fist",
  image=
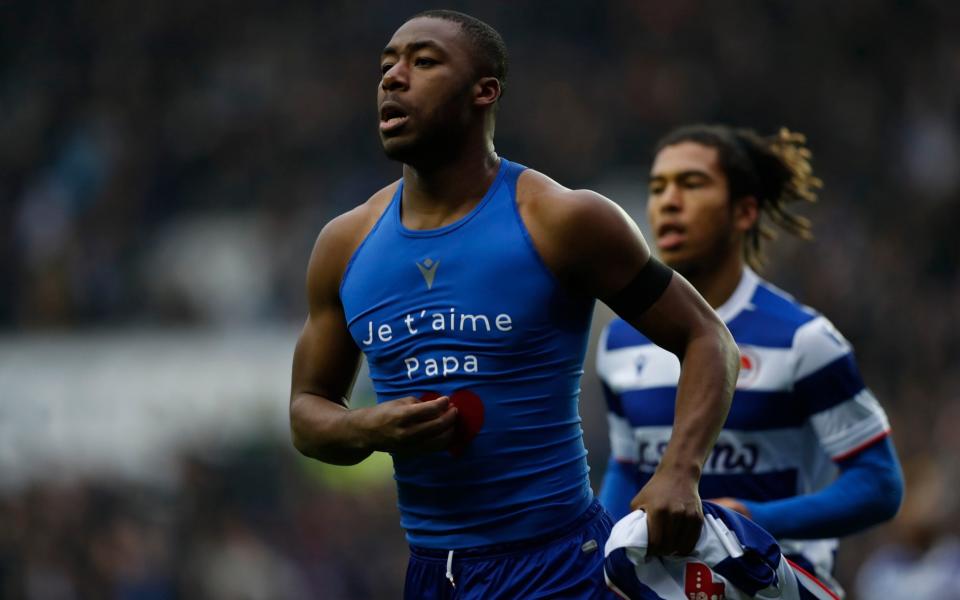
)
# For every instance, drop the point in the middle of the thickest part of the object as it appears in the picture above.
(407, 425)
(674, 513)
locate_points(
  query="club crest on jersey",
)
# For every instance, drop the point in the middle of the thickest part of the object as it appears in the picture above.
(428, 268)
(749, 367)
(698, 583)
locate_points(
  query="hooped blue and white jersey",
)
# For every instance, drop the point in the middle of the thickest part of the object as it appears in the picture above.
(800, 406)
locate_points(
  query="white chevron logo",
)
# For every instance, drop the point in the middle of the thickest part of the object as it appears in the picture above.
(428, 269)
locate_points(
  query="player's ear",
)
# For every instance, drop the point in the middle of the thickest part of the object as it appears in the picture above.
(486, 91)
(746, 213)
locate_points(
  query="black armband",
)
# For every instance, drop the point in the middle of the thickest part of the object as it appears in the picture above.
(642, 291)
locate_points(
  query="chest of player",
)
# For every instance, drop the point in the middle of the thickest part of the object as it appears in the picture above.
(469, 302)
(438, 291)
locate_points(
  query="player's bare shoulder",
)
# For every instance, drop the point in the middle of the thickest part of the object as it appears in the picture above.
(542, 198)
(340, 238)
(586, 239)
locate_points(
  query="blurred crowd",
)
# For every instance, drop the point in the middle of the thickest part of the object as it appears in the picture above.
(170, 162)
(250, 523)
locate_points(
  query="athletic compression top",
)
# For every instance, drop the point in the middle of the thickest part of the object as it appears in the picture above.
(471, 311)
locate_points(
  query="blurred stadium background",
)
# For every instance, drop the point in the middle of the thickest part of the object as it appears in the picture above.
(165, 166)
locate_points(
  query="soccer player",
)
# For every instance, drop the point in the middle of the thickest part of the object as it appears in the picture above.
(801, 413)
(469, 286)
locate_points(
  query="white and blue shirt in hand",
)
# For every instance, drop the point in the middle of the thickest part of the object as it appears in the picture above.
(734, 559)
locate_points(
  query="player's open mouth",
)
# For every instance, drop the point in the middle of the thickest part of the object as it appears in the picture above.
(670, 236)
(392, 117)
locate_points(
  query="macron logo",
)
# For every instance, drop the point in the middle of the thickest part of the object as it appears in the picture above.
(428, 268)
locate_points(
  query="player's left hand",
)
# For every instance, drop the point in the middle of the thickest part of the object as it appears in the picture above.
(734, 505)
(674, 513)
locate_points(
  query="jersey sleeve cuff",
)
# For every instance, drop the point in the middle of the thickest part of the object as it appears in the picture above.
(861, 446)
(850, 426)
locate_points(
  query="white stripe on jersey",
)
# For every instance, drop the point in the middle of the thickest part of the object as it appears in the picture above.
(817, 344)
(851, 424)
(637, 367)
(649, 366)
(623, 442)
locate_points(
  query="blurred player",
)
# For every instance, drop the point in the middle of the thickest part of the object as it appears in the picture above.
(469, 286)
(801, 412)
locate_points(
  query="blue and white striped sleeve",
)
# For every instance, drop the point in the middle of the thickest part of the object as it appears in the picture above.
(843, 412)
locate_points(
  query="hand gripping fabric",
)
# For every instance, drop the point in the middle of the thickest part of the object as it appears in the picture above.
(734, 559)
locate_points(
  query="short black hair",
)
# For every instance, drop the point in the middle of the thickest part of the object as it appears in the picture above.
(491, 52)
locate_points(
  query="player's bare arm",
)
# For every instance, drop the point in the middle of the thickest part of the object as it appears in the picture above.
(326, 360)
(595, 248)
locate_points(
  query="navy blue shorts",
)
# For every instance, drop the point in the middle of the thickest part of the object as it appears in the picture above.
(565, 564)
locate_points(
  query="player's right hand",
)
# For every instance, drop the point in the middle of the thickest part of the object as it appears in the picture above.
(408, 425)
(674, 512)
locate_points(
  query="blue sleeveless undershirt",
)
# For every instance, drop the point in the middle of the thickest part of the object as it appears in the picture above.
(470, 310)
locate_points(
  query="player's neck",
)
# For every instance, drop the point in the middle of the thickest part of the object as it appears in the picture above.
(717, 283)
(440, 194)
